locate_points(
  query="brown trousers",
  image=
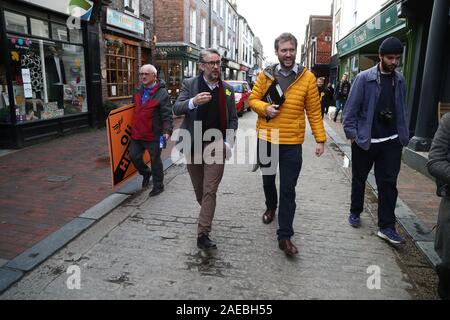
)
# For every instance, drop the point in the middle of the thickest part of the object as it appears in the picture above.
(205, 180)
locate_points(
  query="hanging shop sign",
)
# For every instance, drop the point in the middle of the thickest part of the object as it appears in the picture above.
(118, 127)
(124, 21)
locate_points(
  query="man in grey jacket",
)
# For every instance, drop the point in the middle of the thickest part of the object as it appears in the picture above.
(439, 167)
(210, 122)
(375, 121)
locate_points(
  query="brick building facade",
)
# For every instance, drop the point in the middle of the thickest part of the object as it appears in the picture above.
(317, 47)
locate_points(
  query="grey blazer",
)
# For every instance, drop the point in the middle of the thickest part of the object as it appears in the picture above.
(189, 89)
(439, 156)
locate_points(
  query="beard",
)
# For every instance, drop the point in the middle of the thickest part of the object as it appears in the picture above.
(388, 67)
(287, 64)
(213, 76)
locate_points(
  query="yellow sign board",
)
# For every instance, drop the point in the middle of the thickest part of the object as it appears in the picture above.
(118, 127)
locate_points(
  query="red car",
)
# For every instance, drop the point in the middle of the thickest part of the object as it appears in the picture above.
(241, 94)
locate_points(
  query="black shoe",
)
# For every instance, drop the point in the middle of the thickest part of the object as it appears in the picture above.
(146, 180)
(155, 191)
(204, 242)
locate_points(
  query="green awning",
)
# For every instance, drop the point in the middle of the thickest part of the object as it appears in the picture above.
(375, 28)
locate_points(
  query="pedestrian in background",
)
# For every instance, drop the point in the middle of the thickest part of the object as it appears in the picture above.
(439, 167)
(322, 94)
(152, 120)
(208, 101)
(375, 122)
(330, 92)
(341, 95)
(281, 132)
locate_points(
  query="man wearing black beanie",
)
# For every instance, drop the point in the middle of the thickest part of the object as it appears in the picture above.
(375, 121)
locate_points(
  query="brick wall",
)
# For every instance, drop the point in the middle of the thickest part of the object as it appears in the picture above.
(169, 18)
(324, 47)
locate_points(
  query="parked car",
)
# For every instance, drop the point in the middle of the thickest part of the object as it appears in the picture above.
(241, 94)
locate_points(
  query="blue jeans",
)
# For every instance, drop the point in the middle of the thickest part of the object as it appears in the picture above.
(289, 161)
(340, 104)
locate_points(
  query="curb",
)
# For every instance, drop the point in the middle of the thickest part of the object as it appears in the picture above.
(13, 270)
(420, 234)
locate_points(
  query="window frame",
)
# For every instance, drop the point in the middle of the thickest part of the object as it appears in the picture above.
(129, 47)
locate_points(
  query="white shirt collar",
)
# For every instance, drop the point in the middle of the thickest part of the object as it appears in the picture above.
(283, 72)
(212, 86)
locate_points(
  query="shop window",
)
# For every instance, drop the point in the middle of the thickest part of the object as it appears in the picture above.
(175, 74)
(16, 22)
(76, 36)
(4, 97)
(48, 78)
(39, 28)
(121, 61)
(171, 72)
(59, 32)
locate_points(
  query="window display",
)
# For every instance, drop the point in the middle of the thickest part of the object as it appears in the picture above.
(4, 96)
(48, 79)
(121, 61)
(47, 70)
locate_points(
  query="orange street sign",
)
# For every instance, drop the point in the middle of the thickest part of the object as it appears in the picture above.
(118, 127)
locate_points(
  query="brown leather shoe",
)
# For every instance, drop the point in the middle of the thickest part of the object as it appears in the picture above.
(268, 216)
(288, 247)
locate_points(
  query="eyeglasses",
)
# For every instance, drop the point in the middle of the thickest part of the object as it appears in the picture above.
(144, 74)
(213, 63)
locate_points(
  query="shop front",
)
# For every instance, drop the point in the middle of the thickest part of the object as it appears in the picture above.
(175, 63)
(243, 73)
(358, 51)
(124, 54)
(43, 89)
(231, 70)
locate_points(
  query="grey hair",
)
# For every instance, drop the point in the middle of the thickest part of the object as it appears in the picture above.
(286, 36)
(207, 51)
(151, 67)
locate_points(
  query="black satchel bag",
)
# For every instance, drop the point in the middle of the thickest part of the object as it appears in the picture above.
(274, 95)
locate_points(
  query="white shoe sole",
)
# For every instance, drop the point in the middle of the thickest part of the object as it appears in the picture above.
(385, 237)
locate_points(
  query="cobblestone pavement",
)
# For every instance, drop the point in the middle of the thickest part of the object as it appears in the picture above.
(146, 248)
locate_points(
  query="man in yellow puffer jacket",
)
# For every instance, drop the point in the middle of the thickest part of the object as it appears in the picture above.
(281, 133)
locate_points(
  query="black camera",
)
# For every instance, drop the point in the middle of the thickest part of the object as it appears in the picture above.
(386, 117)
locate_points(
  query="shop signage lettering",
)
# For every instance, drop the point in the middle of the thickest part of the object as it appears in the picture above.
(168, 50)
(360, 38)
(118, 127)
(121, 20)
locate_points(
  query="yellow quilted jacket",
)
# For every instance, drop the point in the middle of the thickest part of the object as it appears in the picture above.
(302, 97)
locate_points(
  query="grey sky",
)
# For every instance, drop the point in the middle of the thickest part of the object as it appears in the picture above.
(269, 18)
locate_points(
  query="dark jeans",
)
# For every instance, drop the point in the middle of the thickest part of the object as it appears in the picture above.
(387, 159)
(137, 148)
(289, 159)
